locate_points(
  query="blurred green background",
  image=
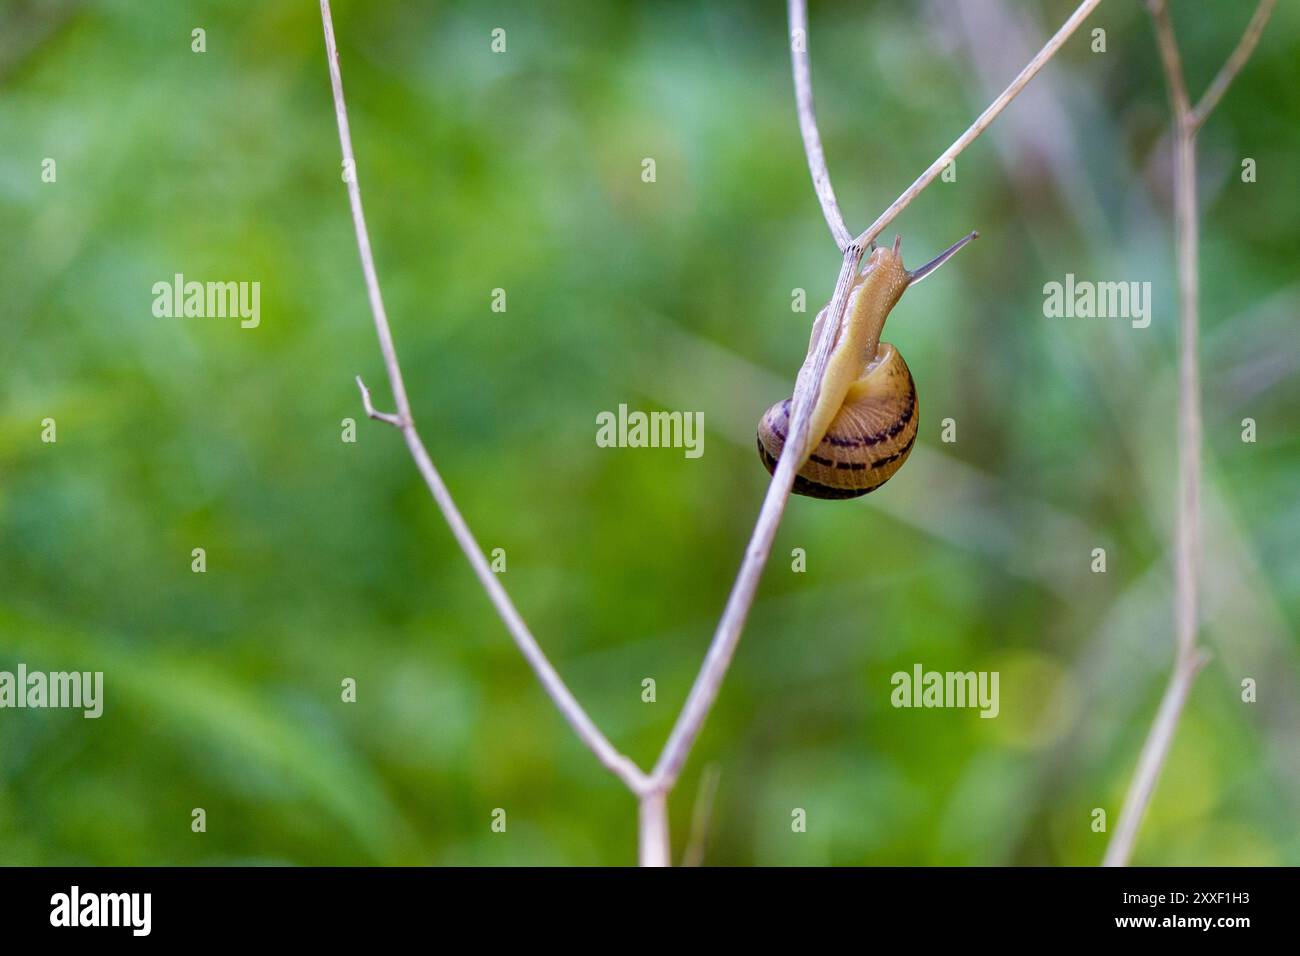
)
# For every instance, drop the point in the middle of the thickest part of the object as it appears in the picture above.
(522, 171)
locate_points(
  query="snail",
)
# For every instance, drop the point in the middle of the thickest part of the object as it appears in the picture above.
(864, 423)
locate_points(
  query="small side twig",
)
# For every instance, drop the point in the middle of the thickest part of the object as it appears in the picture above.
(568, 705)
(1188, 659)
(395, 420)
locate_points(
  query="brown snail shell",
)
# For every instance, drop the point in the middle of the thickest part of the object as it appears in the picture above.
(868, 440)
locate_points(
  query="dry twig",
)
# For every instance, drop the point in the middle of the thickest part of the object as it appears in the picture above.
(568, 705)
(1188, 659)
(652, 790)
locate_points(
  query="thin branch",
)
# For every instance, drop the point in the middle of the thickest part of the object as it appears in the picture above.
(1245, 47)
(652, 829)
(652, 790)
(1172, 61)
(554, 686)
(1186, 238)
(727, 636)
(1188, 659)
(359, 221)
(981, 123)
(723, 647)
(1151, 762)
(1187, 664)
(812, 140)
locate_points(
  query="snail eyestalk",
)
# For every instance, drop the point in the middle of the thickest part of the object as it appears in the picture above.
(916, 275)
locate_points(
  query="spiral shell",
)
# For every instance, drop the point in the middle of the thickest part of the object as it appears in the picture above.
(867, 441)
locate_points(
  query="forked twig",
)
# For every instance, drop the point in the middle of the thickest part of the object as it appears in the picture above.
(652, 790)
(582, 724)
(1188, 659)
(813, 144)
(727, 636)
(981, 123)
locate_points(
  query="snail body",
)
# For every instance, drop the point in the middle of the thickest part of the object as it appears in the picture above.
(865, 421)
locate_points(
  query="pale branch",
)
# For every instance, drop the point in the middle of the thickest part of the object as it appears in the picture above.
(709, 680)
(652, 829)
(1235, 63)
(1188, 659)
(1171, 60)
(727, 636)
(554, 686)
(1151, 762)
(652, 790)
(1186, 531)
(359, 221)
(812, 140)
(981, 123)
(801, 69)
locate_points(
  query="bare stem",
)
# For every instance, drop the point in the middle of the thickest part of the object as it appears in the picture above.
(554, 686)
(1180, 103)
(1233, 66)
(653, 829)
(652, 790)
(981, 123)
(709, 680)
(1188, 660)
(812, 140)
(1150, 763)
(727, 635)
